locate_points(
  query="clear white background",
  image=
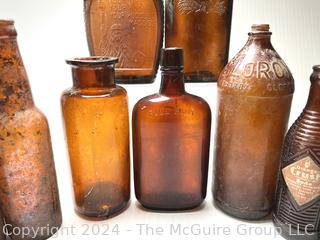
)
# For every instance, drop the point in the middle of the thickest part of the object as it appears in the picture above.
(50, 31)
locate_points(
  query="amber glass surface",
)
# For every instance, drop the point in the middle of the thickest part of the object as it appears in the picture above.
(297, 210)
(95, 113)
(130, 30)
(28, 187)
(202, 28)
(254, 99)
(171, 135)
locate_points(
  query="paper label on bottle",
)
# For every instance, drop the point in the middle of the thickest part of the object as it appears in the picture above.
(303, 180)
(202, 6)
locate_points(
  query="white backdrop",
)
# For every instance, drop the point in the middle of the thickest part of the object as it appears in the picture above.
(50, 31)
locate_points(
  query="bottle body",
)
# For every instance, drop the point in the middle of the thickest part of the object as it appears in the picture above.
(129, 30)
(297, 210)
(97, 131)
(203, 29)
(29, 192)
(254, 101)
(2, 227)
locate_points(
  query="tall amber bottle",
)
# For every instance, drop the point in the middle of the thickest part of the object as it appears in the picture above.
(297, 211)
(171, 137)
(131, 30)
(28, 187)
(254, 99)
(96, 121)
(202, 28)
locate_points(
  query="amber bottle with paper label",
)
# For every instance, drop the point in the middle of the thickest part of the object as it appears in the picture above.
(29, 197)
(171, 137)
(297, 212)
(132, 31)
(202, 28)
(254, 99)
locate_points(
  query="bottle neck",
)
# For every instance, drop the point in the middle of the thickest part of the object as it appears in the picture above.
(93, 77)
(313, 103)
(15, 92)
(172, 83)
(260, 40)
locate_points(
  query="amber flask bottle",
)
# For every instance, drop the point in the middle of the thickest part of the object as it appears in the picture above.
(202, 28)
(28, 187)
(171, 137)
(96, 121)
(132, 31)
(254, 100)
(297, 211)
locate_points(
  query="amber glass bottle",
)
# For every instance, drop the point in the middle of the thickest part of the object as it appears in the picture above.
(96, 121)
(202, 28)
(28, 187)
(131, 30)
(254, 99)
(2, 228)
(297, 212)
(171, 135)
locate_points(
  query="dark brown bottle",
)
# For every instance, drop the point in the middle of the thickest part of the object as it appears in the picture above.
(130, 30)
(96, 120)
(202, 28)
(2, 228)
(171, 137)
(254, 99)
(297, 212)
(28, 187)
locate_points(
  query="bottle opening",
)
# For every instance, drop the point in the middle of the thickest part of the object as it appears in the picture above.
(171, 58)
(260, 28)
(6, 22)
(316, 68)
(92, 61)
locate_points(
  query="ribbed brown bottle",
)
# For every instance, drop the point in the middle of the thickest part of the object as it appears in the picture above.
(95, 112)
(171, 137)
(297, 212)
(254, 99)
(202, 28)
(132, 31)
(28, 187)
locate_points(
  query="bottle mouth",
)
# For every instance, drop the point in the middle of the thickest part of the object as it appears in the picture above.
(260, 29)
(6, 22)
(316, 68)
(95, 61)
(7, 29)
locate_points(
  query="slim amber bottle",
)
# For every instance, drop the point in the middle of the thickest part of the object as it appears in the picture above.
(95, 112)
(131, 30)
(202, 28)
(254, 99)
(297, 212)
(28, 188)
(171, 137)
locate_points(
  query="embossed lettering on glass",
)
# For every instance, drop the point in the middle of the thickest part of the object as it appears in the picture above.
(129, 30)
(202, 28)
(254, 99)
(171, 136)
(297, 211)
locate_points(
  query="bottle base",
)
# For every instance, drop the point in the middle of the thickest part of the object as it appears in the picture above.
(134, 79)
(244, 214)
(170, 202)
(290, 233)
(200, 77)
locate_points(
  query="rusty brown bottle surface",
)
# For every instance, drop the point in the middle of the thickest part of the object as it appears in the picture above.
(28, 187)
(254, 100)
(96, 120)
(202, 28)
(130, 30)
(171, 137)
(297, 211)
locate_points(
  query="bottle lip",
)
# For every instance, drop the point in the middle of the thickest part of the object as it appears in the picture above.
(260, 29)
(6, 22)
(94, 61)
(316, 67)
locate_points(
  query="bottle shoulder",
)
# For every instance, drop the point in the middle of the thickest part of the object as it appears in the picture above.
(116, 91)
(257, 71)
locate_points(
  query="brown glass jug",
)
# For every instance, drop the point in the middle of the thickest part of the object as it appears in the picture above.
(96, 121)
(171, 137)
(202, 28)
(254, 99)
(28, 187)
(297, 211)
(130, 30)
